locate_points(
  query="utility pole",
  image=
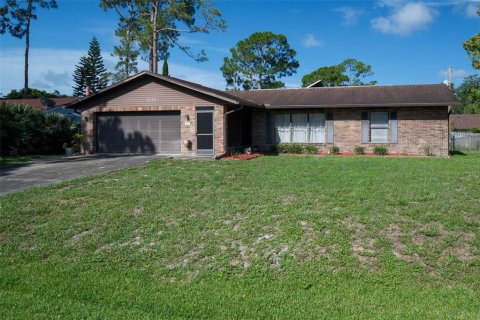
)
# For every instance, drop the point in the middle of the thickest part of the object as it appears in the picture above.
(449, 73)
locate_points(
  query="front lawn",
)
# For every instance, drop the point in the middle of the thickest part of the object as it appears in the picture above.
(272, 237)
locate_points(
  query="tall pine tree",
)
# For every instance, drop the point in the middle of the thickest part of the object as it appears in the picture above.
(16, 16)
(126, 53)
(90, 72)
(82, 69)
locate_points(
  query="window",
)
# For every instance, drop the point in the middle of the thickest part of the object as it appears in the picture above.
(299, 127)
(379, 127)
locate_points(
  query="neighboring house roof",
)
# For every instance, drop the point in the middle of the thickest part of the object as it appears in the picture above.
(38, 103)
(464, 121)
(62, 110)
(361, 96)
(213, 93)
(316, 84)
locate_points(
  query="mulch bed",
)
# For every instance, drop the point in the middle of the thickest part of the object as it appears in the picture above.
(371, 154)
(243, 156)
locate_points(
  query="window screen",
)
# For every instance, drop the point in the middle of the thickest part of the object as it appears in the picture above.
(379, 127)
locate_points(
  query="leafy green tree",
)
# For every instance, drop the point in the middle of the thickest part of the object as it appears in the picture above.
(16, 17)
(258, 61)
(331, 76)
(356, 71)
(469, 95)
(33, 93)
(472, 46)
(158, 21)
(350, 72)
(90, 72)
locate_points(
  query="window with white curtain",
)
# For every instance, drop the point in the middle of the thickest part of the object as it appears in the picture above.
(379, 127)
(317, 127)
(299, 127)
(282, 127)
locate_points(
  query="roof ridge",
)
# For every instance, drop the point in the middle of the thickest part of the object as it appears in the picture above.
(340, 87)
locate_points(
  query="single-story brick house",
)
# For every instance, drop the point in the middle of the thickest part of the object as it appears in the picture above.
(150, 113)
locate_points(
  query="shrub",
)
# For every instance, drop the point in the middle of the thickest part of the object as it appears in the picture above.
(24, 130)
(380, 150)
(311, 149)
(280, 148)
(77, 142)
(334, 150)
(359, 150)
(289, 148)
(295, 148)
(427, 150)
(475, 130)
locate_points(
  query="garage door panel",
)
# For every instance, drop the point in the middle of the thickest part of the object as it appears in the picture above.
(140, 132)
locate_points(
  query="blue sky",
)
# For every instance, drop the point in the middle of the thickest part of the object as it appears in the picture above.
(405, 41)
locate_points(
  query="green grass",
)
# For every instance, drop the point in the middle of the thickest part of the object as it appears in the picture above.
(274, 237)
(14, 160)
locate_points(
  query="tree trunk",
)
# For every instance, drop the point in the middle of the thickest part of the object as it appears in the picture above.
(127, 56)
(154, 38)
(27, 48)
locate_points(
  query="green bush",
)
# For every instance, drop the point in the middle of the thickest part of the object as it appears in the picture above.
(380, 150)
(280, 148)
(475, 130)
(359, 150)
(295, 148)
(289, 148)
(311, 149)
(334, 150)
(24, 130)
(77, 142)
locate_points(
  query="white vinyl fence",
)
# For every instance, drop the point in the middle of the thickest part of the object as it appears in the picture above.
(464, 141)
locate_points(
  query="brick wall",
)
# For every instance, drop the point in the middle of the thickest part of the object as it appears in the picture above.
(188, 131)
(418, 127)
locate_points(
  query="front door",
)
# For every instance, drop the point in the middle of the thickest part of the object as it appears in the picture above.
(204, 130)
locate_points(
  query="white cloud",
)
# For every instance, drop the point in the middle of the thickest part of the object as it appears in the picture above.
(349, 15)
(52, 69)
(204, 77)
(471, 9)
(456, 74)
(405, 18)
(311, 41)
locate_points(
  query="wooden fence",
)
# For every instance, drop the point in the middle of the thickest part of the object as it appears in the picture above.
(464, 141)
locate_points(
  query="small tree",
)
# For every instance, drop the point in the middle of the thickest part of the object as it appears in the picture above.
(259, 61)
(90, 72)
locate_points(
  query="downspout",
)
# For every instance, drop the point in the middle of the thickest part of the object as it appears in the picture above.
(225, 142)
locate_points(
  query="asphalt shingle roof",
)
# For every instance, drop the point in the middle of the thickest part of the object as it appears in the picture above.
(397, 95)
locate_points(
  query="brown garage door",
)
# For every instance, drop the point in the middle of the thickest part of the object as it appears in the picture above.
(138, 132)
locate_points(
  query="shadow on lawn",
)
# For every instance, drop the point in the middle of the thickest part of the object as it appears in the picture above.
(457, 153)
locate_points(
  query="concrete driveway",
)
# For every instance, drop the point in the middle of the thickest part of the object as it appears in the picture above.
(46, 170)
